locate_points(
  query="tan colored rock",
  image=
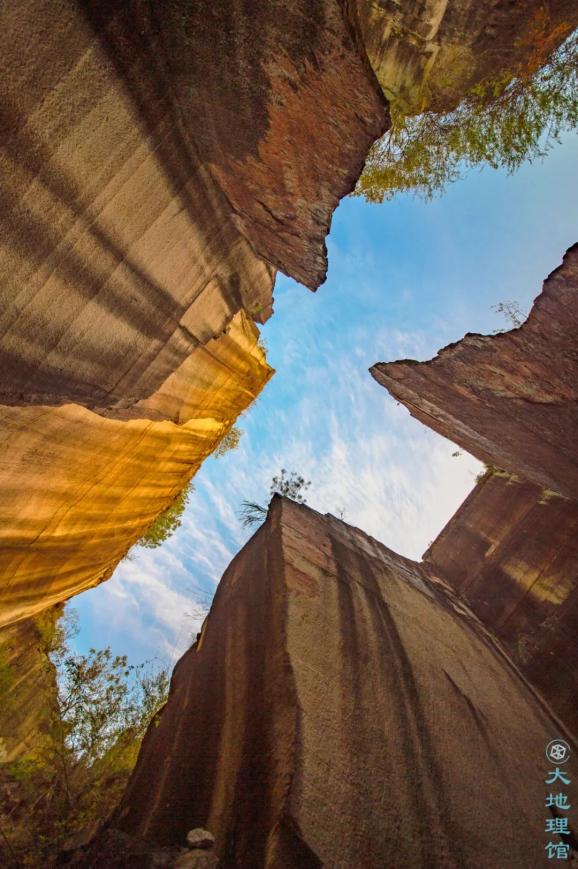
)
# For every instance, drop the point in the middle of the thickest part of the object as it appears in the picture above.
(511, 550)
(199, 838)
(509, 399)
(343, 708)
(27, 685)
(157, 167)
(429, 54)
(78, 488)
(159, 162)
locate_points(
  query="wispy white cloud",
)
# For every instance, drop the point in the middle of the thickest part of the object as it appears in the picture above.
(405, 279)
(366, 457)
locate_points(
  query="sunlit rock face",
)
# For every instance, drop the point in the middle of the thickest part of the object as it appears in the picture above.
(429, 54)
(510, 399)
(511, 550)
(27, 685)
(160, 161)
(309, 724)
(79, 488)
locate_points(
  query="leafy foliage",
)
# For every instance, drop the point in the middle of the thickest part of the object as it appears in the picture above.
(55, 627)
(81, 763)
(502, 121)
(229, 442)
(292, 486)
(167, 522)
(102, 699)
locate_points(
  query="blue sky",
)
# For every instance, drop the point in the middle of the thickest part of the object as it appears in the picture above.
(405, 279)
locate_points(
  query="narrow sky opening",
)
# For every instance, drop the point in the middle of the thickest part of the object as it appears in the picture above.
(405, 279)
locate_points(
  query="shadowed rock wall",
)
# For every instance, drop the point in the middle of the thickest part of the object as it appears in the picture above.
(27, 684)
(510, 399)
(511, 550)
(159, 161)
(430, 53)
(308, 726)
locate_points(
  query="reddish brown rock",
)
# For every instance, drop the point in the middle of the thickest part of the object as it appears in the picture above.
(510, 399)
(511, 550)
(343, 708)
(159, 161)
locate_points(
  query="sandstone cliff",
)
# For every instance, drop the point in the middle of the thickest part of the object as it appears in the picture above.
(160, 161)
(27, 684)
(342, 708)
(429, 54)
(511, 550)
(510, 399)
(78, 488)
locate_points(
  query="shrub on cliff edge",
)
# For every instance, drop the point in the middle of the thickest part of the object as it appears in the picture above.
(167, 522)
(501, 122)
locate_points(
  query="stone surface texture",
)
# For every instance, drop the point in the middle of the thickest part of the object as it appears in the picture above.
(511, 551)
(511, 399)
(159, 162)
(79, 488)
(430, 53)
(27, 685)
(310, 723)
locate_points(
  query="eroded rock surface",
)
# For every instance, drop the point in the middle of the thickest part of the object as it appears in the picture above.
(510, 399)
(27, 684)
(78, 488)
(511, 550)
(159, 161)
(308, 726)
(429, 54)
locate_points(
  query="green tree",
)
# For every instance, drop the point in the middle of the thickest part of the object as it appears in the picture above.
(502, 121)
(290, 486)
(167, 522)
(229, 442)
(81, 764)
